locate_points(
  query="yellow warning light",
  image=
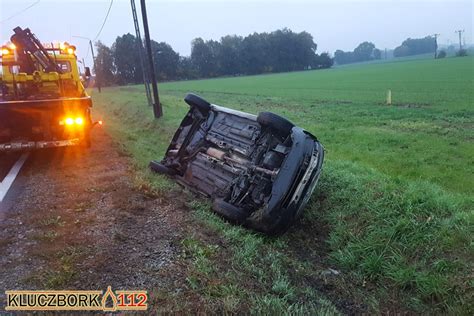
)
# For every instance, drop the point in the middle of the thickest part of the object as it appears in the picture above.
(71, 121)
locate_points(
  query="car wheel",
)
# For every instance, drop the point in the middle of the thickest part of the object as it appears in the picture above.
(196, 101)
(160, 168)
(277, 123)
(231, 212)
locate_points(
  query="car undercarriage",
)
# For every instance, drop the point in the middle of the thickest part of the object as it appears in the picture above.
(259, 170)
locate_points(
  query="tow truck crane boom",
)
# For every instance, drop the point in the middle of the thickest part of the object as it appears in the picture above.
(28, 45)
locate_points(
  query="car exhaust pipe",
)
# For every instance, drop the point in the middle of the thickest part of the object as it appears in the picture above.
(216, 153)
(221, 155)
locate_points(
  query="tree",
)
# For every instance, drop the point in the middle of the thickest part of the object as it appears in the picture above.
(281, 50)
(363, 52)
(104, 63)
(461, 53)
(441, 54)
(165, 60)
(341, 57)
(203, 57)
(229, 55)
(415, 46)
(401, 51)
(322, 61)
(254, 53)
(127, 59)
(186, 69)
(306, 50)
(289, 51)
(377, 54)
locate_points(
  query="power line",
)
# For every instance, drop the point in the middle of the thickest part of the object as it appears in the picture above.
(87, 53)
(105, 20)
(20, 12)
(98, 33)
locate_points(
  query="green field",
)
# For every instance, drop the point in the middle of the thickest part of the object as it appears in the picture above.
(427, 134)
(394, 209)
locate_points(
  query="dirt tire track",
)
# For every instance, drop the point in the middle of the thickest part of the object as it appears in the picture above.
(80, 223)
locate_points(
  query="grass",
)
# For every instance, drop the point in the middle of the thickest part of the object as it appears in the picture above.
(257, 274)
(390, 60)
(63, 270)
(394, 208)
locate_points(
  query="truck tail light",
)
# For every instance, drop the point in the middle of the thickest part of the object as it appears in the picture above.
(69, 121)
(5, 51)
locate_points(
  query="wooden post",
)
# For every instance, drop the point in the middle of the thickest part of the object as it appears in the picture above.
(389, 97)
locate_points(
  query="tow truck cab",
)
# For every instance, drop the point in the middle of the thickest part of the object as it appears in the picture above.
(43, 102)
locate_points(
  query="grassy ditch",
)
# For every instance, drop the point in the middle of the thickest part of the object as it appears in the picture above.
(371, 239)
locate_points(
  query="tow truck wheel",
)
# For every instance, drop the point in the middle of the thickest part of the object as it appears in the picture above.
(86, 141)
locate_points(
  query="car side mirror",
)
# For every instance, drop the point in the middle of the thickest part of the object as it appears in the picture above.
(87, 72)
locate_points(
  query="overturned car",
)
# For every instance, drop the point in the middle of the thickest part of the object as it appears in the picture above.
(260, 170)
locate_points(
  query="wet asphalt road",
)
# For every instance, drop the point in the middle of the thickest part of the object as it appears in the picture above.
(7, 161)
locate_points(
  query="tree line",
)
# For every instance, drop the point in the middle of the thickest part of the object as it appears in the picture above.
(363, 52)
(279, 51)
(415, 46)
(367, 51)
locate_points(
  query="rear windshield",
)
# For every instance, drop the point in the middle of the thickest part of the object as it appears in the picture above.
(64, 66)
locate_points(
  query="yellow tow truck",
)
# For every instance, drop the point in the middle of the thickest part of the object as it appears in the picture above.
(43, 102)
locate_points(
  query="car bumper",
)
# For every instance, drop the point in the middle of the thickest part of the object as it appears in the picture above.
(293, 186)
(19, 146)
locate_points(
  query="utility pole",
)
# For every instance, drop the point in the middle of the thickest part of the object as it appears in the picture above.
(97, 80)
(460, 43)
(141, 53)
(157, 111)
(436, 45)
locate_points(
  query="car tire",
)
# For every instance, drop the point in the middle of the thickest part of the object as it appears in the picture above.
(197, 102)
(229, 211)
(277, 123)
(160, 168)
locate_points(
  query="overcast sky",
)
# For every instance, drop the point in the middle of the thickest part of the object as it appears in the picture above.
(334, 24)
